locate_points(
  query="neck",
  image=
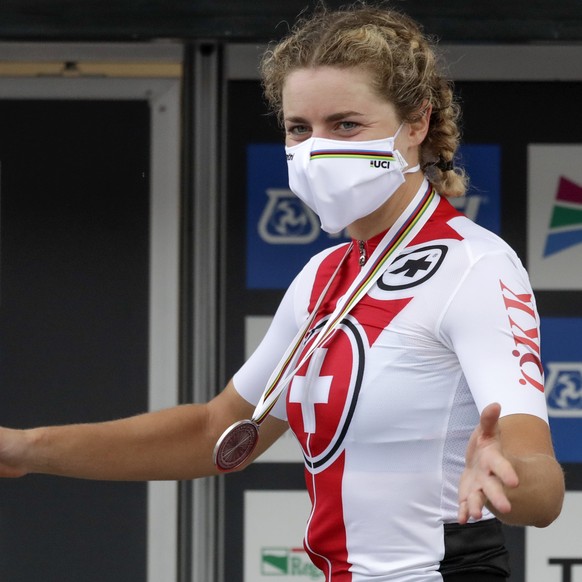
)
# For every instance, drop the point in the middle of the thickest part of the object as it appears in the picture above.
(384, 217)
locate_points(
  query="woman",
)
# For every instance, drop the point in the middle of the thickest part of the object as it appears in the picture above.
(409, 362)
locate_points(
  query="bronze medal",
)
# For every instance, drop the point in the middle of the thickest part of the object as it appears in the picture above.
(236, 445)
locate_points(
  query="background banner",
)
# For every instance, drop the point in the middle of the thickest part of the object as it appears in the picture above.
(555, 216)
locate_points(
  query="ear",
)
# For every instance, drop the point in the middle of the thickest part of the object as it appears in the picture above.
(418, 129)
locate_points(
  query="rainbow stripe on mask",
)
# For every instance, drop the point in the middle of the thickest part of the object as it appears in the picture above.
(353, 154)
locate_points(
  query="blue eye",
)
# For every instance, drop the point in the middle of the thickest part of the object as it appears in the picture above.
(298, 129)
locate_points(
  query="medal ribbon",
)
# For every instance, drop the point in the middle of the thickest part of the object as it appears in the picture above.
(399, 235)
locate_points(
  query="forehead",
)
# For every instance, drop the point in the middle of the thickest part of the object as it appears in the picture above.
(325, 89)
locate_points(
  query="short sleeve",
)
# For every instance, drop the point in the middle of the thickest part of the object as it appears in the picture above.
(252, 377)
(492, 325)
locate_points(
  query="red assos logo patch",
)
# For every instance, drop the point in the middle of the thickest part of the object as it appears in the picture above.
(523, 323)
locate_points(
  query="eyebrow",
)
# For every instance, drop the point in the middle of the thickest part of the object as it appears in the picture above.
(330, 118)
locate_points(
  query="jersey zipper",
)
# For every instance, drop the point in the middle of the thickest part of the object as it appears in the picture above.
(363, 256)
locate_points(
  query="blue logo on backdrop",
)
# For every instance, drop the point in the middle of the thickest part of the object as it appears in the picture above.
(283, 233)
(561, 338)
(286, 220)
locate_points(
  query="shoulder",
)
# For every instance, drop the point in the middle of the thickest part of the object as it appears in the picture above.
(456, 244)
(470, 239)
(323, 263)
(459, 258)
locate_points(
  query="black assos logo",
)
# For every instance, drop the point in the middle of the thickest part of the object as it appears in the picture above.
(413, 268)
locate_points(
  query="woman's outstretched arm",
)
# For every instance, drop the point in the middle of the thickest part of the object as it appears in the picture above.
(175, 443)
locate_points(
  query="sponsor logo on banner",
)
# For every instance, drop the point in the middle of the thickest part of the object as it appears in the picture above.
(289, 562)
(283, 233)
(561, 341)
(564, 389)
(565, 228)
(286, 220)
(555, 216)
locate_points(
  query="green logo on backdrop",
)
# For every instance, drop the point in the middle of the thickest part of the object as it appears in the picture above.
(292, 562)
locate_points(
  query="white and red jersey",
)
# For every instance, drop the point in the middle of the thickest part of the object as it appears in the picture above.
(384, 410)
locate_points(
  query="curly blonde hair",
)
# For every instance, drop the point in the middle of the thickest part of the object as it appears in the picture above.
(404, 67)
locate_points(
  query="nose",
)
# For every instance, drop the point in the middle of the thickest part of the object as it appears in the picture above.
(321, 131)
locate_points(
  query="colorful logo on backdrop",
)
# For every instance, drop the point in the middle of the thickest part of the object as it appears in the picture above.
(283, 233)
(562, 358)
(288, 563)
(554, 234)
(566, 222)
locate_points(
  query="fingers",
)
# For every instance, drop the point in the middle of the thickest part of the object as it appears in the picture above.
(488, 473)
(488, 420)
(486, 483)
(463, 515)
(476, 492)
(472, 507)
(505, 473)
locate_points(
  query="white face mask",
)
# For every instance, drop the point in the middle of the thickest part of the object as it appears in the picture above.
(342, 181)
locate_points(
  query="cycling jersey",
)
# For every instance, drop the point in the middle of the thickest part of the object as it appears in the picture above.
(383, 411)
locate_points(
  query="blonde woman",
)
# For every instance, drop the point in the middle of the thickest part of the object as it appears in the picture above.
(407, 363)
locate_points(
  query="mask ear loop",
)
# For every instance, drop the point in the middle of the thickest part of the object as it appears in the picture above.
(398, 131)
(412, 169)
(416, 168)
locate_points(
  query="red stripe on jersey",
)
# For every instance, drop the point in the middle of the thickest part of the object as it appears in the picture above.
(341, 282)
(437, 226)
(375, 315)
(327, 531)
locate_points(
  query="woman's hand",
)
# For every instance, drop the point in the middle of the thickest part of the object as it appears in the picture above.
(487, 471)
(510, 468)
(12, 447)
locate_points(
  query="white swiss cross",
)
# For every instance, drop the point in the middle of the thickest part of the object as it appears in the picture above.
(311, 389)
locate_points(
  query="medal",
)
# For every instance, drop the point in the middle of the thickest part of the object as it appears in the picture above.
(236, 445)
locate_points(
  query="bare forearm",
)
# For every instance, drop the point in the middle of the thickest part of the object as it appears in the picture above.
(171, 444)
(537, 500)
(176, 443)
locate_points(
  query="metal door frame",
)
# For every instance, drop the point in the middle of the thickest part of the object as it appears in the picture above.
(120, 72)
